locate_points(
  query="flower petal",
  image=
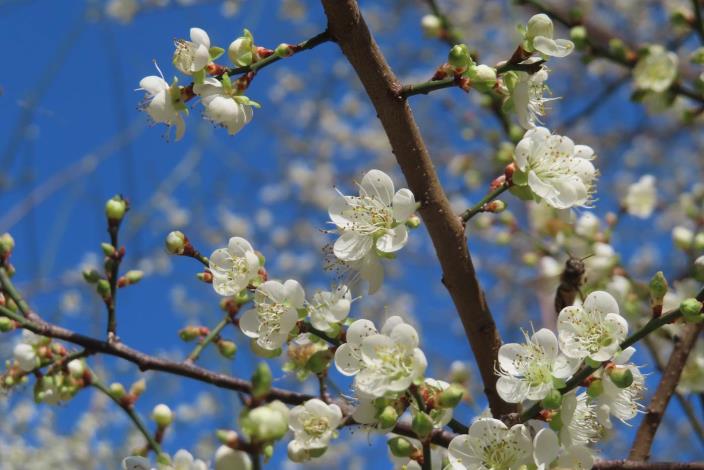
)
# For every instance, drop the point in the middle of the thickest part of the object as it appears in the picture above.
(378, 185)
(404, 205)
(352, 247)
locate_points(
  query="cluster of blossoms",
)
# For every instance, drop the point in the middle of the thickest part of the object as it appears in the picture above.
(223, 100)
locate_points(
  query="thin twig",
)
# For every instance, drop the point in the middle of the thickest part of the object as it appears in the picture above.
(214, 333)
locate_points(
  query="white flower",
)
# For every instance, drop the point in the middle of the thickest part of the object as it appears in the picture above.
(136, 463)
(641, 197)
(192, 56)
(581, 421)
(490, 445)
(314, 423)
(274, 314)
(548, 454)
(602, 260)
(234, 267)
(528, 97)
(593, 330)
(384, 362)
(622, 402)
(554, 168)
(329, 308)
(656, 70)
(587, 225)
(539, 37)
(432, 25)
(223, 106)
(227, 458)
(682, 237)
(183, 460)
(527, 370)
(373, 220)
(25, 357)
(160, 103)
(241, 50)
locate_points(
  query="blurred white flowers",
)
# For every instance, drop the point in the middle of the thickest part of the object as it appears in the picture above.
(656, 70)
(642, 197)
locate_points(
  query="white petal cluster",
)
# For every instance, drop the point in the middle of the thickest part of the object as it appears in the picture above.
(234, 267)
(656, 70)
(528, 97)
(275, 313)
(642, 197)
(491, 445)
(223, 106)
(554, 168)
(329, 308)
(313, 424)
(539, 37)
(192, 56)
(162, 103)
(594, 330)
(527, 371)
(371, 224)
(381, 362)
(547, 453)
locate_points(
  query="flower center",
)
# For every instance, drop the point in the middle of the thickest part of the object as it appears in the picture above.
(394, 362)
(270, 318)
(184, 54)
(370, 216)
(316, 426)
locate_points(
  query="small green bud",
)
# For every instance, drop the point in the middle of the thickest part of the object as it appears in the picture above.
(91, 276)
(227, 348)
(117, 390)
(451, 396)
(556, 422)
(134, 276)
(622, 377)
(617, 48)
(578, 35)
(400, 446)
(592, 363)
(115, 208)
(103, 288)
(691, 310)
(227, 436)
(496, 206)
(658, 288)
(595, 388)
(319, 361)
(516, 133)
(138, 387)
(283, 50)
(7, 244)
(413, 222)
(162, 415)
(483, 77)
(6, 325)
(552, 400)
(261, 380)
(108, 249)
(459, 57)
(76, 368)
(268, 451)
(388, 417)
(422, 424)
(241, 51)
(175, 242)
(189, 333)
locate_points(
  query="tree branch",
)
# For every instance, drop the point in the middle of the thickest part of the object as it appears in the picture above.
(656, 410)
(347, 27)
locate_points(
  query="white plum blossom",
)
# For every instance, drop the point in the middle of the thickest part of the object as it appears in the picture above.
(528, 97)
(491, 445)
(641, 197)
(527, 370)
(622, 403)
(223, 105)
(385, 362)
(25, 356)
(539, 37)
(593, 330)
(330, 307)
(275, 313)
(581, 420)
(313, 424)
(370, 270)
(374, 220)
(656, 70)
(192, 56)
(227, 458)
(554, 168)
(234, 267)
(547, 453)
(162, 103)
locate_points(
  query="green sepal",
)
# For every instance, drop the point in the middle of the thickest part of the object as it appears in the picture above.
(215, 52)
(519, 178)
(199, 77)
(226, 83)
(245, 100)
(522, 192)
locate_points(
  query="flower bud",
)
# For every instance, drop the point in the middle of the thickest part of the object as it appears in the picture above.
(241, 50)
(697, 57)
(189, 333)
(691, 310)
(261, 380)
(459, 372)
(622, 377)
(91, 276)
(162, 415)
(227, 348)
(103, 288)
(175, 242)
(422, 424)
(7, 244)
(432, 26)
(76, 368)
(117, 390)
(496, 206)
(578, 35)
(618, 48)
(552, 400)
(556, 422)
(451, 396)
(595, 388)
(682, 237)
(388, 417)
(699, 268)
(658, 288)
(6, 325)
(138, 387)
(539, 25)
(229, 459)
(115, 208)
(483, 77)
(134, 276)
(459, 57)
(283, 50)
(266, 423)
(108, 249)
(413, 222)
(400, 446)
(228, 437)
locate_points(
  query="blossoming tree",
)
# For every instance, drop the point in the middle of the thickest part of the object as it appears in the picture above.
(615, 343)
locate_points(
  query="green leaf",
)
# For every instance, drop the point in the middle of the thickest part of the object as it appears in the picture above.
(215, 52)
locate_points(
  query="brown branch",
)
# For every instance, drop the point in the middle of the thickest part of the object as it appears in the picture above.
(348, 29)
(656, 410)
